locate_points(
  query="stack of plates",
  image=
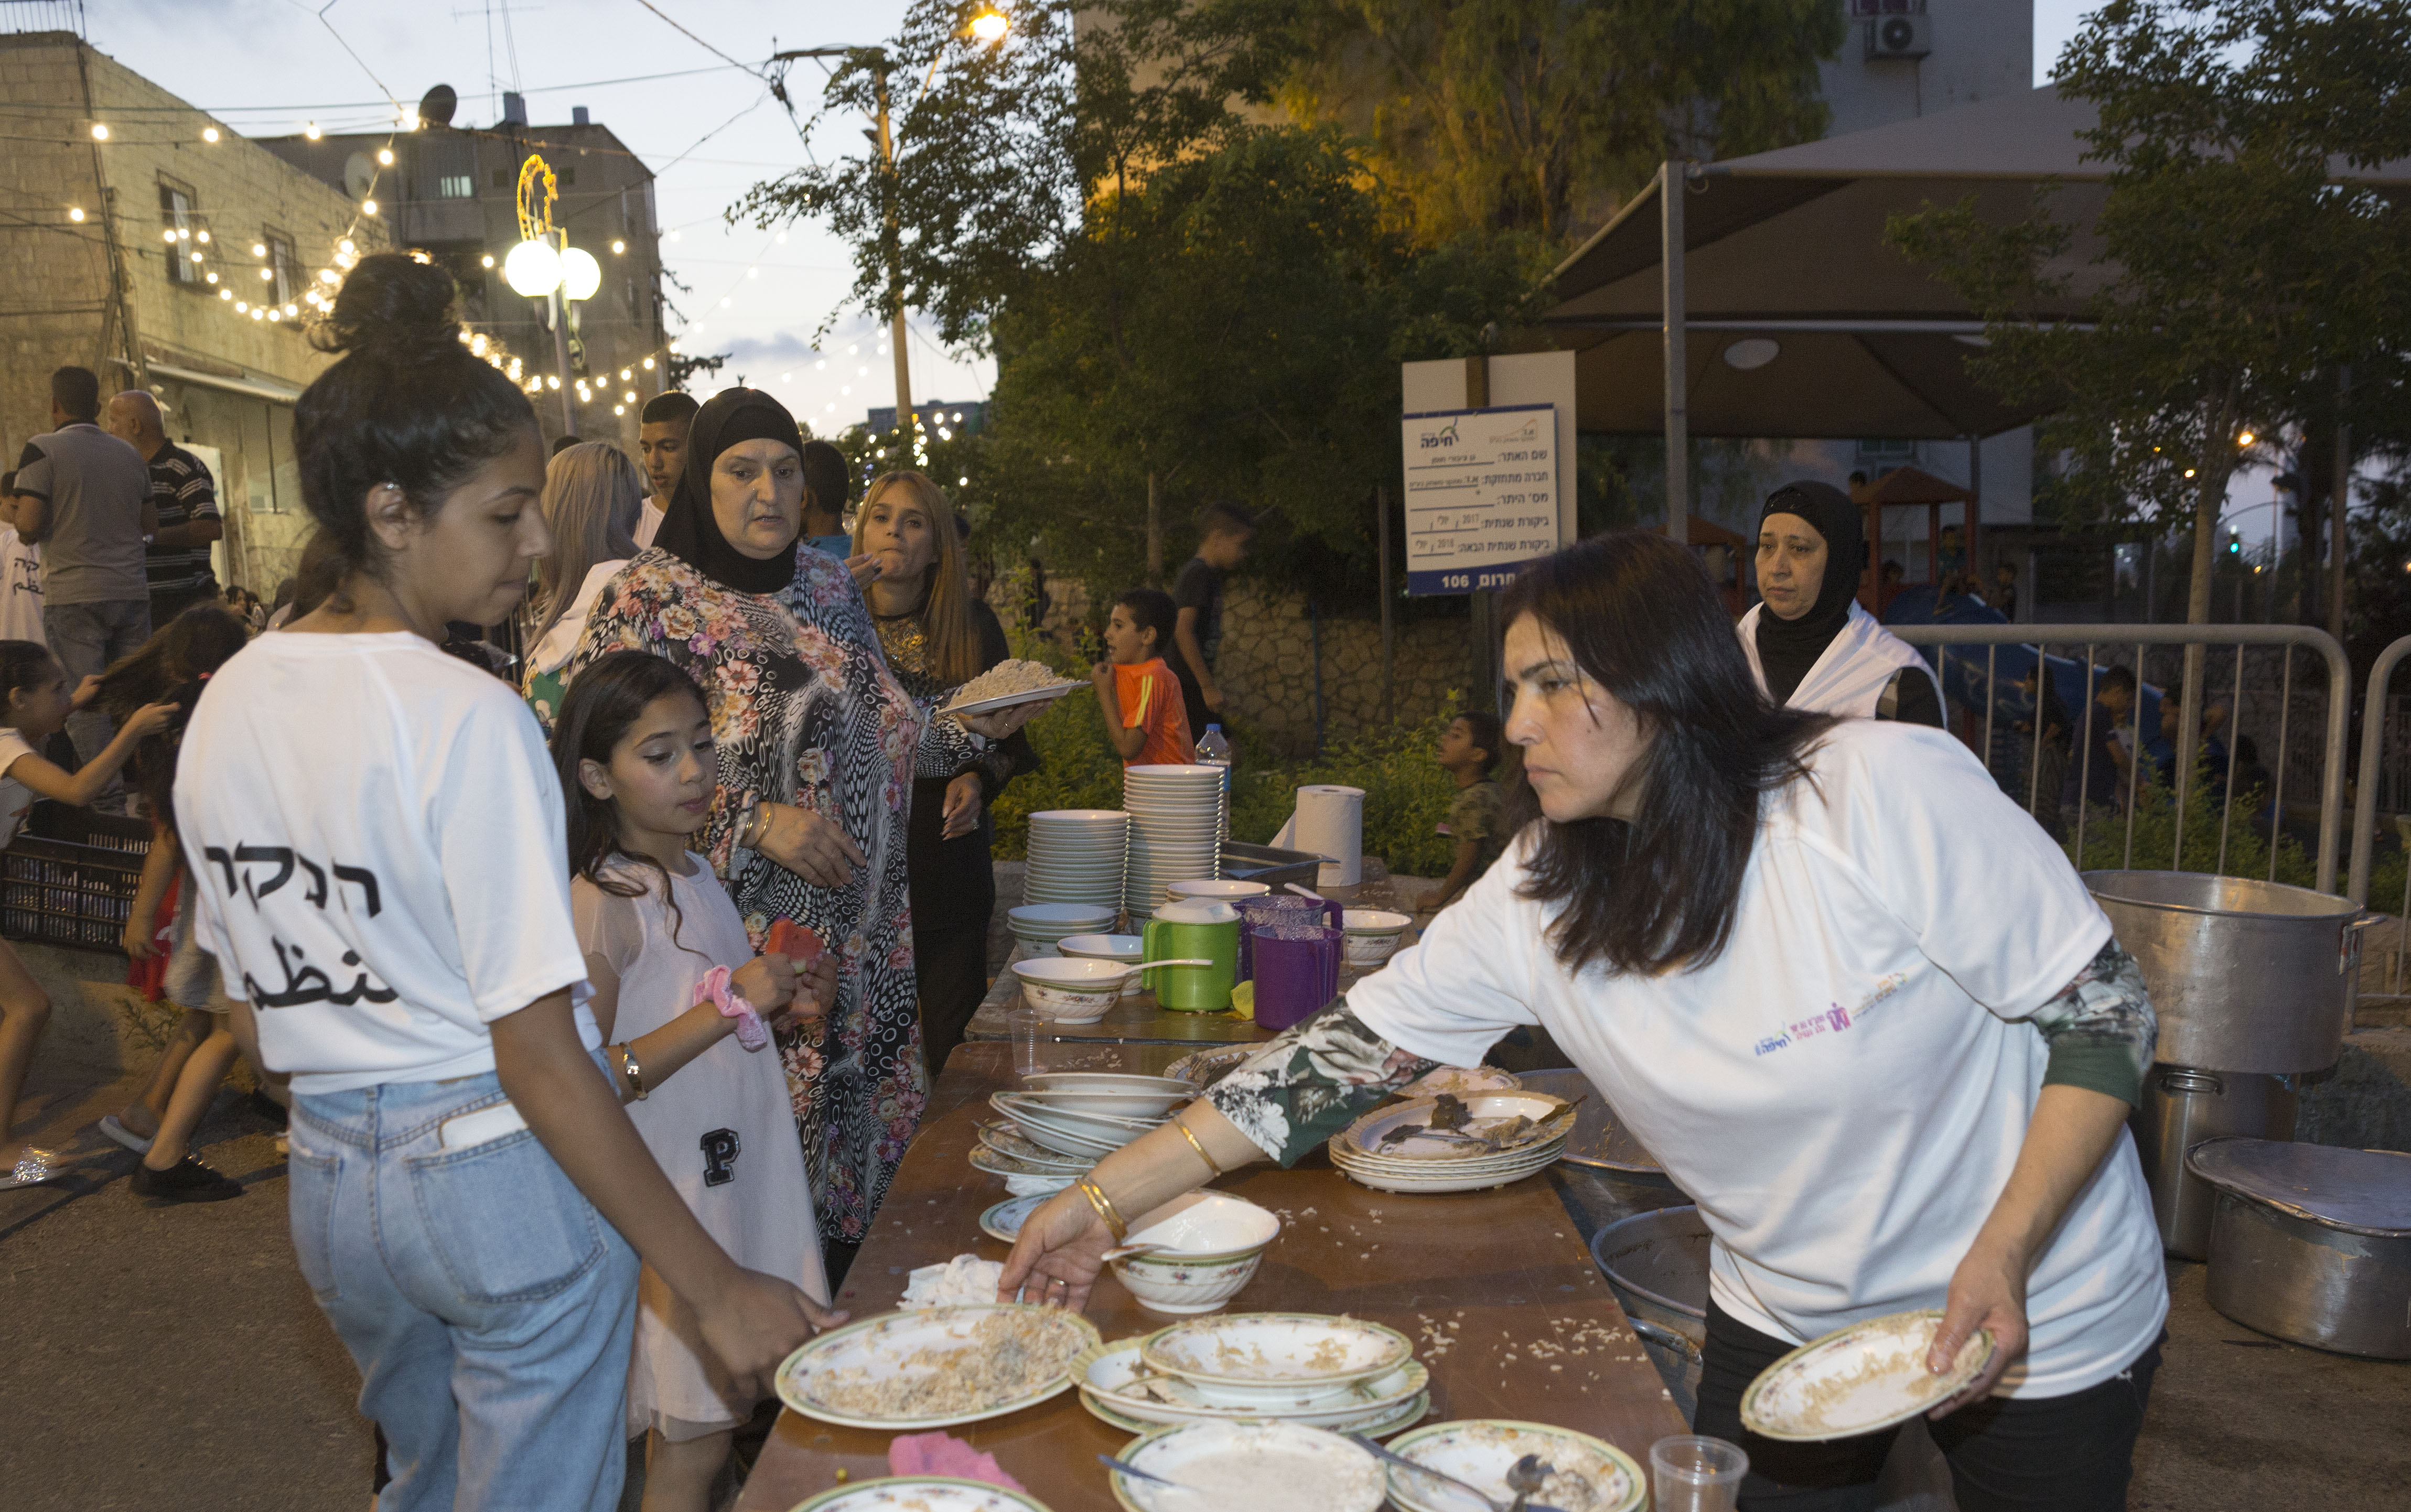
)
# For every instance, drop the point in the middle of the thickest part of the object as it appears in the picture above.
(1039, 925)
(1004, 1150)
(1339, 1374)
(1434, 1163)
(1076, 855)
(1176, 822)
(1075, 1132)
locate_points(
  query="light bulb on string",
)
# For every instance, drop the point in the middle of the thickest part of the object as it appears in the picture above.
(99, 132)
(385, 156)
(310, 130)
(209, 134)
(75, 212)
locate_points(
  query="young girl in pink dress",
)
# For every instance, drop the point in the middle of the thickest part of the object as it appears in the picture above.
(680, 995)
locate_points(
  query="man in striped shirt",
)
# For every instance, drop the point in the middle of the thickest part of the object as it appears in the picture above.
(177, 560)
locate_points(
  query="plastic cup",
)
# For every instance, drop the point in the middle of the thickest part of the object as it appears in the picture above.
(1025, 1025)
(1692, 1473)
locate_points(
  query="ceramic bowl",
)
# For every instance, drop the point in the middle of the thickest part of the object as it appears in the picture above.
(1069, 991)
(1213, 1243)
(1371, 935)
(1125, 949)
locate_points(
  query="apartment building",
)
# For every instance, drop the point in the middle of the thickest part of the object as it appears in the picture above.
(453, 192)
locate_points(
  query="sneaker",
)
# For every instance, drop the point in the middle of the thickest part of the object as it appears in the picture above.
(186, 1181)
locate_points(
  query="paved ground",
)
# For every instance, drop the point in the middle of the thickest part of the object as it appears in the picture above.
(170, 1357)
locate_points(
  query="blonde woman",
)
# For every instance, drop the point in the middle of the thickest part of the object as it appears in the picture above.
(938, 637)
(592, 498)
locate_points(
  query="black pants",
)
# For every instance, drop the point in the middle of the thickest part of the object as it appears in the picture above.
(952, 967)
(953, 895)
(2048, 1454)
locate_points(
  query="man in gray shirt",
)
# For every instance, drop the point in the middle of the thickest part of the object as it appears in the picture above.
(85, 496)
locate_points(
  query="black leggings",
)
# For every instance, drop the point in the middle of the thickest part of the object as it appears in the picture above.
(2042, 1454)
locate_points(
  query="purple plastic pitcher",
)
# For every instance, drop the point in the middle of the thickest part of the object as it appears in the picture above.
(1297, 972)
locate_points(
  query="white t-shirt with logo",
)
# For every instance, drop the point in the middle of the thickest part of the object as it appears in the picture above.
(377, 834)
(20, 588)
(1845, 1090)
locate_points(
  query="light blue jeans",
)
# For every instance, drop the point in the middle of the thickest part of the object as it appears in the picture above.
(86, 638)
(488, 1305)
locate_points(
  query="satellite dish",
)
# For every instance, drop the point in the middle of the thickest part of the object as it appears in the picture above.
(360, 175)
(436, 106)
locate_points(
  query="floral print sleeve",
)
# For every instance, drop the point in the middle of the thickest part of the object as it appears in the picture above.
(1312, 1081)
(2100, 1028)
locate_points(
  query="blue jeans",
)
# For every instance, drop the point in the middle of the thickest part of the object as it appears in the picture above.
(488, 1305)
(86, 638)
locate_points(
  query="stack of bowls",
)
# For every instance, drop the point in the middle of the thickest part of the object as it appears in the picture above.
(1040, 926)
(1076, 856)
(1092, 1116)
(1339, 1374)
(1434, 1162)
(1175, 831)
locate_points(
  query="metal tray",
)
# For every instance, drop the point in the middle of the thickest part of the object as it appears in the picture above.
(1269, 864)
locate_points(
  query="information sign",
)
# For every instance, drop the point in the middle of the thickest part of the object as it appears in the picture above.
(1481, 495)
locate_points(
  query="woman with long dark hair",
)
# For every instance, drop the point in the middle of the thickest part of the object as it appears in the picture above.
(1810, 644)
(1856, 1003)
(378, 833)
(938, 637)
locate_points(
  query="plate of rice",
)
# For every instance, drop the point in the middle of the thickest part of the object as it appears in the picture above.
(903, 1371)
(1008, 683)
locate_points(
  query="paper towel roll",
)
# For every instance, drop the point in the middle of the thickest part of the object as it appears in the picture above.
(1329, 821)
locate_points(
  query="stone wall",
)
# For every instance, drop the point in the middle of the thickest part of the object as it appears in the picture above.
(1272, 649)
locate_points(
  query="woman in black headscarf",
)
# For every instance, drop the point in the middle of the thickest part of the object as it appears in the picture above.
(817, 745)
(1810, 644)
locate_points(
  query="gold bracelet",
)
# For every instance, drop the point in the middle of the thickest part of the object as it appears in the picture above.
(1191, 1138)
(629, 1071)
(1105, 1206)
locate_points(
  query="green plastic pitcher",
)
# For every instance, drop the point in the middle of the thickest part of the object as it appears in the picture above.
(1197, 928)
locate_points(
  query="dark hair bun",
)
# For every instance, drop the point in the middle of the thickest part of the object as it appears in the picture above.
(393, 307)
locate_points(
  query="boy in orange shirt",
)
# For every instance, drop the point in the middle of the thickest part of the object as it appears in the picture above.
(1137, 693)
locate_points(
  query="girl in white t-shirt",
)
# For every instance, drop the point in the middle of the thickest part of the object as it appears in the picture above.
(34, 704)
(20, 575)
(378, 831)
(672, 973)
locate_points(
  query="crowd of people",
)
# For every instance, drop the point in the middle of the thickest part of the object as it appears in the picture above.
(591, 989)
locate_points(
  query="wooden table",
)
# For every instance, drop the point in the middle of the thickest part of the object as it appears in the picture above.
(1493, 1271)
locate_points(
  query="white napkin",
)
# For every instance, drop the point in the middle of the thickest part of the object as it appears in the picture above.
(966, 1278)
(1036, 1186)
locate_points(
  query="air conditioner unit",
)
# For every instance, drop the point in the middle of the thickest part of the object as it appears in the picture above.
(1899, 36)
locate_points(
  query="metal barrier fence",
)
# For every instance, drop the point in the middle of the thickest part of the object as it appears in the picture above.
(2373, 754)
(1972, 658)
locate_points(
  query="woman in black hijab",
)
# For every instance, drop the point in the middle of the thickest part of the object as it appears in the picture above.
(818, 744)
(1810, 644)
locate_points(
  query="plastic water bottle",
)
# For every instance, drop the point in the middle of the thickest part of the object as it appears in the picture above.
(1214, 750)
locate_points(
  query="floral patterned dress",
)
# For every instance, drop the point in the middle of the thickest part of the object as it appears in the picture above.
(806, 712)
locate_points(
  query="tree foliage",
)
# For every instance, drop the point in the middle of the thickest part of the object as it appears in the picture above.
(2235, 271)
(1541, 115)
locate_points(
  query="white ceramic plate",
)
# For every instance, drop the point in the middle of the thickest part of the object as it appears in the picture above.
(1261, 1467)
(1041, 695)
(1486, 1108)
(1479, 1452)
(1463, 1080)
(880, 1347)
(1115, 1375)
(984, 1159)
(1107, 1081)
(1084, 1122)
(1004, 1221)
(1372, 1425)
(1275, 1351)
(1525, 1155)
(920, 1493)
(1857, 1379)
(1005, 1140)
(1056, 917)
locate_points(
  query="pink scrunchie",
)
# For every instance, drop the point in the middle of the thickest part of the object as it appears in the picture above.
(714, 989)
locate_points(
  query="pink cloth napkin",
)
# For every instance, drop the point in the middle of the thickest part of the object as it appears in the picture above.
(942, 1454)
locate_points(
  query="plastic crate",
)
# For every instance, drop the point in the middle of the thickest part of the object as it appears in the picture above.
(68, 878)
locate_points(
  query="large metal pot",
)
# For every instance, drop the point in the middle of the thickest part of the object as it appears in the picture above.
(1657, 1264)
(2312, 1244)
(2182, 1107)
(2244, 976)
